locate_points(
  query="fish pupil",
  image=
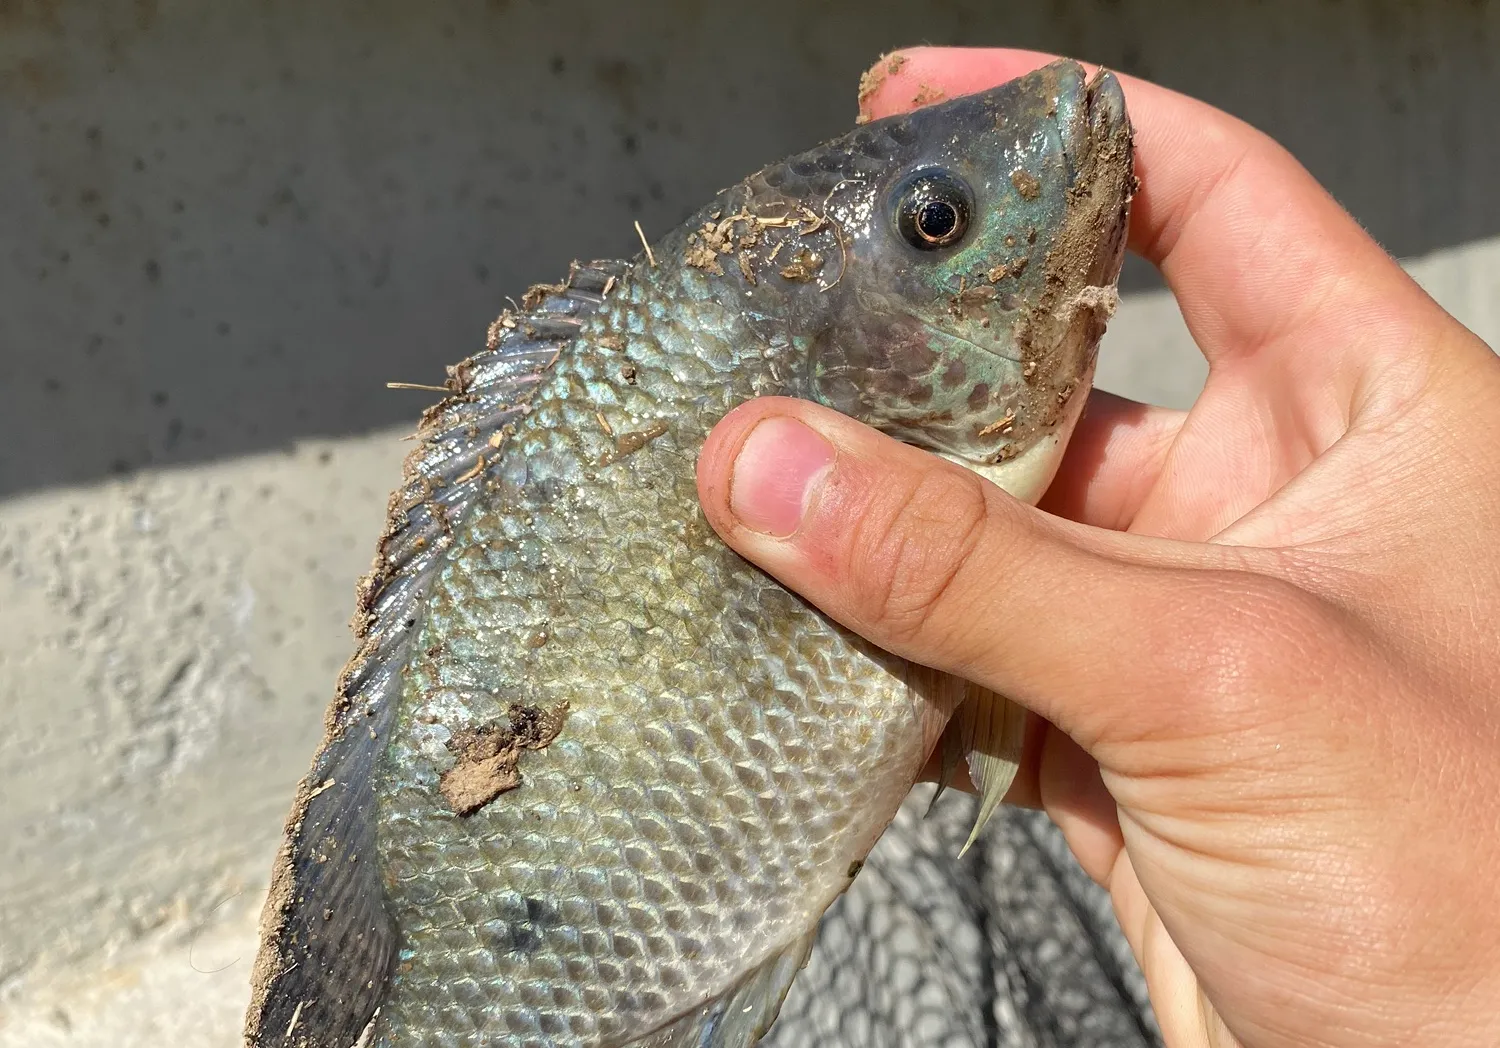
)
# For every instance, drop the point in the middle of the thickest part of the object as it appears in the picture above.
(933, 211)
(937, 220)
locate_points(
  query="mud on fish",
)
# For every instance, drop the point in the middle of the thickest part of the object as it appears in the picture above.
(591, 778)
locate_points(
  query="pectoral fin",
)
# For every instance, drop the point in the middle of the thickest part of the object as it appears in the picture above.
(742, 1015)
(989, 731)
(951, 752)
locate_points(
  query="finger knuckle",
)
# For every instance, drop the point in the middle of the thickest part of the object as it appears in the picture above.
(911, 557)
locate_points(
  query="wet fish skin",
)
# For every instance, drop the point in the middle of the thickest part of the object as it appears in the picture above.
(724, 756)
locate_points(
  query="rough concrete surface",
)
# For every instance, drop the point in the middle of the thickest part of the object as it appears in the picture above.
(224, 226)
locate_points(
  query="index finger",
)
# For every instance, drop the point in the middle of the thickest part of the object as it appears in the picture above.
(1258, 254)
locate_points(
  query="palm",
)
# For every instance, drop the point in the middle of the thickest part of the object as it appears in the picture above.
(1252, 463)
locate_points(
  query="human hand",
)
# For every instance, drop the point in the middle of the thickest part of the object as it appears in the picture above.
(1258, 637)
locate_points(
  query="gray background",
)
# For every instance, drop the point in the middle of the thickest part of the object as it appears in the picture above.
(224, 226)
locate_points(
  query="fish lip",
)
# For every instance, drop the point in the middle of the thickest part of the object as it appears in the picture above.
(1099, 115)
(1098, 142)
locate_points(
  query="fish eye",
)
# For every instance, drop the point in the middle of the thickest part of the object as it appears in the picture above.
(932, 210)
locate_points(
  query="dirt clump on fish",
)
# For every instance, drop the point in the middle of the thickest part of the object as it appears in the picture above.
(630, 443)
(804, 266)
(1027, 184)
(489, 755)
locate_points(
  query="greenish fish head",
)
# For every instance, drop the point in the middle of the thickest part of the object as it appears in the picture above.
(973, 248)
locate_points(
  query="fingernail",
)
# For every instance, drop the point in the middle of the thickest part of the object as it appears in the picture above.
(780, 467)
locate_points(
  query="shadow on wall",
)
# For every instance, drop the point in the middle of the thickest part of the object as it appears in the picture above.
(227, 226)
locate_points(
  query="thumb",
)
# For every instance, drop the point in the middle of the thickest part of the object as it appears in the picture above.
(1111, 637)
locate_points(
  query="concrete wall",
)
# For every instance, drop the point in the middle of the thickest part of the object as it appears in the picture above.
(224, 226)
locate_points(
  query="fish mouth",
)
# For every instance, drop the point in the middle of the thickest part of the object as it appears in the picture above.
(1096, 138)
(1093, 113)
(1102, 114)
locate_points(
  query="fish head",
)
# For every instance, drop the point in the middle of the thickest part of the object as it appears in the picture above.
(974, 249)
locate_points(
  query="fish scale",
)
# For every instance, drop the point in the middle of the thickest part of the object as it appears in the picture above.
(591, 778)
(628, 621)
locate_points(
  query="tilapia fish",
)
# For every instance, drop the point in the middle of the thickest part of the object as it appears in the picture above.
(591, 778)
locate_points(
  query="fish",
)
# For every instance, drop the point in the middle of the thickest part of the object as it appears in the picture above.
(590, 777)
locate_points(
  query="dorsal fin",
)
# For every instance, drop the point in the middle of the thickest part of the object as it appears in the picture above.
(327, 944)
